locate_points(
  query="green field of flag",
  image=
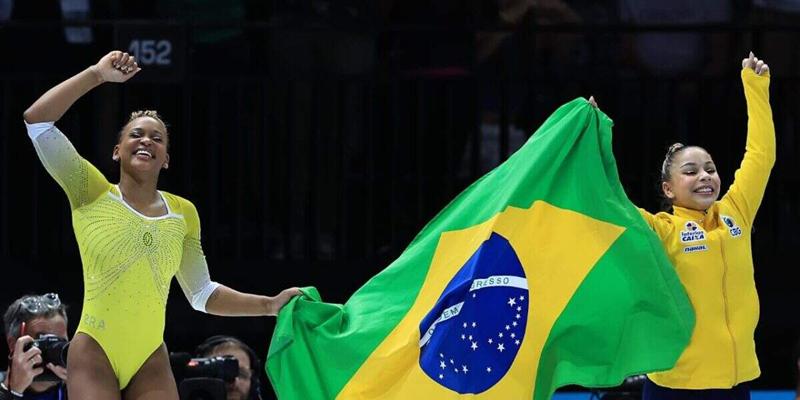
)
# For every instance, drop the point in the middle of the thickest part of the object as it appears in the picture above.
(540, 274)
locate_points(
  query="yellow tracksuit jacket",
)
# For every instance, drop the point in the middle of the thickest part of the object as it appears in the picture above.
(712, 256)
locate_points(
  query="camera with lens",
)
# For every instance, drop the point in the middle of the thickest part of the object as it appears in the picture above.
(54, 350)
(203, 378)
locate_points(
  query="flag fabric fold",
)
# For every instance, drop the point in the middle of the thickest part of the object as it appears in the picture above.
(539, 275)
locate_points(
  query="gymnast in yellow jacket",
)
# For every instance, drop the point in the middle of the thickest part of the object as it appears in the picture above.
(708, 242)
(133, 239)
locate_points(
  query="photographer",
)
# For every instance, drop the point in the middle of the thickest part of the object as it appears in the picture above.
(247, 385)
(36, 334)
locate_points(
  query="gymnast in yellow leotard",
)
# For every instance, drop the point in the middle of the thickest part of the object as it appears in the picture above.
(133, 239)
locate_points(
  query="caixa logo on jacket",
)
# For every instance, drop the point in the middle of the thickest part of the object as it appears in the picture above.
(692, 233)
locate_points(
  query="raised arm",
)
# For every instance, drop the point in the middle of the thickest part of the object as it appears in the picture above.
(115, 66)
(81, 181)
(750, 180)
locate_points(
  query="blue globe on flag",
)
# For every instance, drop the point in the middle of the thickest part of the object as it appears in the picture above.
(470, 338)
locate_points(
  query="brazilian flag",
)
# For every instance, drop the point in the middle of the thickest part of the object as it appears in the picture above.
(539, 275)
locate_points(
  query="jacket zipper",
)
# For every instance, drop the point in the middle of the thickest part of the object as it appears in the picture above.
(725, 306)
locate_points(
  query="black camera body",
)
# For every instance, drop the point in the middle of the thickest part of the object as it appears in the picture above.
(225, 368)
(203, 378)
(54, 350)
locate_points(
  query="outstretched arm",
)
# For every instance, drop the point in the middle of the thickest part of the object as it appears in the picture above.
(228, 302)
(115, 66)
(209, 296)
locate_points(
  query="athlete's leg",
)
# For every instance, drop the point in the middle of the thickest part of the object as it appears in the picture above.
(154, 380)
(90, 374)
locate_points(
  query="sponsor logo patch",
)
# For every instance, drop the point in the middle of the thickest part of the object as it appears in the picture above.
(733, 229)
(692, 233)
(695, 248)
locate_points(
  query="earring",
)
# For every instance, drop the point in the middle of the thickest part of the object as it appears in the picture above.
(115, 158)
(166, 165)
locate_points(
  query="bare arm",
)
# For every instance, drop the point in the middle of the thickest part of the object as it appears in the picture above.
(228, 302)
(115, 66)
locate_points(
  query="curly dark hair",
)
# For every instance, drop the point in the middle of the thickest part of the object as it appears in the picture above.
(139, 114)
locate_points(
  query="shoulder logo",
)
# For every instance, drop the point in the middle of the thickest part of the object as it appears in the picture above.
(692, 232)
(733, 229)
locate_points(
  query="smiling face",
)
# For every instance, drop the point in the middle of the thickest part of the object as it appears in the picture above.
(693, 181)
(142, 146)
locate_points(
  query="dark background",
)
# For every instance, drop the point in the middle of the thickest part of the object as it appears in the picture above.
(317, 137)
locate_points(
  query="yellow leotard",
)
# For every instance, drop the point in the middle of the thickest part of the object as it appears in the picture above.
(128, 259)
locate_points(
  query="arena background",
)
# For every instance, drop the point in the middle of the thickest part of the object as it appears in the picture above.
(317, 137)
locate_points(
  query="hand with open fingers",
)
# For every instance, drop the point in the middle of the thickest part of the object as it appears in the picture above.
(22, 368)
(752, 62)
(116, 66)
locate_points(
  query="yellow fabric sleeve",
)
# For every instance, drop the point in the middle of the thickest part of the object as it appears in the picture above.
(81, 181)
(750, 180)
